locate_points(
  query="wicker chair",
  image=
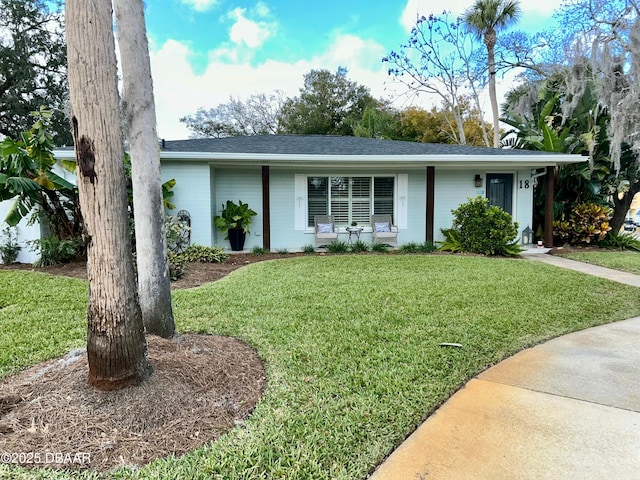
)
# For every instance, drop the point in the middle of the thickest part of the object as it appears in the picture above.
(383, 230)
(326, 230)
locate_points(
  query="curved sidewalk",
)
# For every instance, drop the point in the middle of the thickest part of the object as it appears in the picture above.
(565, 409)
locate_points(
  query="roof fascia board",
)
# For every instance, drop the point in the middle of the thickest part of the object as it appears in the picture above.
(450, 161)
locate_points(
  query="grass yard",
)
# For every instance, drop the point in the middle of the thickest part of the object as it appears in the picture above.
(626, 261)
(351, 345)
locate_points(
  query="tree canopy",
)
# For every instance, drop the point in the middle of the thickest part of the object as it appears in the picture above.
(328, 104)
(32, 67)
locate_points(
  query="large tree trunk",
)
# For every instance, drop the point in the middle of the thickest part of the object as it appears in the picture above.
(116, 346)
(154, 287)
(622, 206)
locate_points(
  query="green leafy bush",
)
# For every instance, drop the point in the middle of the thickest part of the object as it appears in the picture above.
(282, 251)
(338, 247)
(52, 250)
(620, 241)
(588, 224)
(177, 265)
(428, 247)
(200, 253)
(414, 247)
(452, 242)
(10, 249)
(259, 250)
(177, 233)
(308, 249)
(379, 248)
(360, 246)
(481, 228)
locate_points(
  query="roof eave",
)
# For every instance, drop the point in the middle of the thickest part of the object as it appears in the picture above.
(413, 159)
(450, 161)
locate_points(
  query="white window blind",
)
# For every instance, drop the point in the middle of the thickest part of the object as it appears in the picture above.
(349, 199)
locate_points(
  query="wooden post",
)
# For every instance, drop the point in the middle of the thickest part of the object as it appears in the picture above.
(431, 181)
(548, 208)
(266, 209)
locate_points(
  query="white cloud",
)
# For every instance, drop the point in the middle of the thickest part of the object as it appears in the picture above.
(179, 91)
(413, 8)
(249, 32)
(200, 5)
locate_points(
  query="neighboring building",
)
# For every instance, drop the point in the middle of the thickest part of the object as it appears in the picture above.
(288, 179)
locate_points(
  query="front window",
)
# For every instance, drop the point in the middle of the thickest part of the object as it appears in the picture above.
(349, 199)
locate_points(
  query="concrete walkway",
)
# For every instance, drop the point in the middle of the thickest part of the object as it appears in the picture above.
(566, 409)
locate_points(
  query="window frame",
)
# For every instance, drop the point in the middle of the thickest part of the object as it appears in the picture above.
(350, 198)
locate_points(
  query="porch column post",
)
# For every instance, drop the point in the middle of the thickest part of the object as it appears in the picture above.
(548, 208)
(431, 176)
(266, 209)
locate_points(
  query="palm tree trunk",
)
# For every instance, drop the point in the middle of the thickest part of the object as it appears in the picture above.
(493, 97)
(116, 346)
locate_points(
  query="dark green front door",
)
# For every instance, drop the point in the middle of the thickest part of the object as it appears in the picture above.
(500, 190)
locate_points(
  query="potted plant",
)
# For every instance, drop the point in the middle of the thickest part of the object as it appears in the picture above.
(234, 220)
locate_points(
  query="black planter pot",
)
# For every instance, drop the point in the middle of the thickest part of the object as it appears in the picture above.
(236, 239)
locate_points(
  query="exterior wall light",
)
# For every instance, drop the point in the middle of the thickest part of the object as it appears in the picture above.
(478, 180)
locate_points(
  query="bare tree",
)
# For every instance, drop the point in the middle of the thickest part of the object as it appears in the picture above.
(440, 60)
(116, 346)
(257, 115)
(154, 287)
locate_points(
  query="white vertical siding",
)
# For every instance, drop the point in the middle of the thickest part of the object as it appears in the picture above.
(452, 187)
(523, 199)
(192, 193)
(26, 234)
(245, 184)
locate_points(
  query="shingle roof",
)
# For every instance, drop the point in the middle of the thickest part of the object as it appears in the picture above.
(329, 145)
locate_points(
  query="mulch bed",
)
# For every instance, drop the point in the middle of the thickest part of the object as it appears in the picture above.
(196, 273)
(201, 387)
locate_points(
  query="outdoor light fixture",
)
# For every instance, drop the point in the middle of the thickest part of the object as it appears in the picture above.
(527, 236)
(478, 180)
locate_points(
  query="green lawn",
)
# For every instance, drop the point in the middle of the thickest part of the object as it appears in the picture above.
(351, 345)
(627, 261)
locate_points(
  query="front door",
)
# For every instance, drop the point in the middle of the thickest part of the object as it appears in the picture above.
(500, 190)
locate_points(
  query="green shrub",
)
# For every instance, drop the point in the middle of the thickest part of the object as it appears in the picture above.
(452, 242)
(588, 224)
(379, 248)
(481, 228)
(308, 249)
(360, 246)
(337, 247)
(259, 250)
(52, 251)
(177, 265)
(10, 249)
(200, 253)
(282, 251)
(411, 247)
(428, 247)
(177, 234)
(620, 241)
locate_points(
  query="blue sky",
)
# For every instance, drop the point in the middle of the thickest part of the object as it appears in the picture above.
(203, 51)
